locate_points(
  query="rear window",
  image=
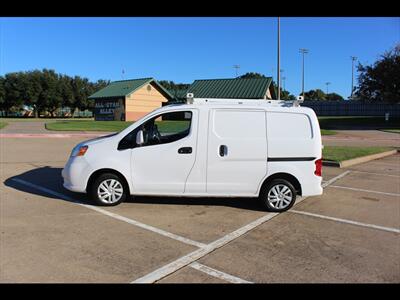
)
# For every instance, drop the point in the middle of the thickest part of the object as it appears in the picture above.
(289, 125)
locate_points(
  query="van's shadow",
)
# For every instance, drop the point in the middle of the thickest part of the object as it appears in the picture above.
(49, 178)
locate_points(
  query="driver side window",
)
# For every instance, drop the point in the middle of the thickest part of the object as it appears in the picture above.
(161, 129)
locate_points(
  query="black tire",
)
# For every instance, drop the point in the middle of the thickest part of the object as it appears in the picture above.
(107, 177)
(274, 206)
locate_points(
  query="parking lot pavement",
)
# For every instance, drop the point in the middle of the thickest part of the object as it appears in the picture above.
(387, 166)
(297, 248)
(329, 173)
(378, 209)
(370, 182)
(51, 235)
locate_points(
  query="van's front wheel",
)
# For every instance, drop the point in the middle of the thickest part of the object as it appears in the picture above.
(108, 190)
(278, 195)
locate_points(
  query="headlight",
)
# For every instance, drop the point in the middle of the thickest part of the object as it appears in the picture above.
(79, 151)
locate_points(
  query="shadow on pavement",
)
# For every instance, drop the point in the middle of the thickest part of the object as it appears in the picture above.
(50, 178)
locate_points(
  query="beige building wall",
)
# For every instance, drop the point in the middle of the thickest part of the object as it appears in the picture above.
(143, 101)
(268, 95)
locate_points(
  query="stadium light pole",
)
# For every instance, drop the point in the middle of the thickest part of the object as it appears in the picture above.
(279, 59)
(236, 67)
(303, 51)
(353, 59)
(327, 83)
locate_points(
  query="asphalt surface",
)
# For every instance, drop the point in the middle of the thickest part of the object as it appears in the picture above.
(349, 234)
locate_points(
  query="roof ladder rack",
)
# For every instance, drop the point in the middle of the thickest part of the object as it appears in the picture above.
(259, 102)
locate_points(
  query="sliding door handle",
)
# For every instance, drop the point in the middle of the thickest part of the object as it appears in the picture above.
(223, 150)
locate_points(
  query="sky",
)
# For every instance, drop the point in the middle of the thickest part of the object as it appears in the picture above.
(183, 49)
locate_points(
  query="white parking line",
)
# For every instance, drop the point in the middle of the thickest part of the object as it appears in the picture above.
(332, 180)
(113, 215)
(362, 190)
(390, 229)
(195, 255)
(218, 274)
(380, 174)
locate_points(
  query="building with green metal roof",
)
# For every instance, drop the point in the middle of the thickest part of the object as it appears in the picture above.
(129, 99)
(237, 88)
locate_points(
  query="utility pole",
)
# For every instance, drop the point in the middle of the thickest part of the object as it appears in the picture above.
(327, 83)
(303, 51)
(353, 59)
(236, 67)
(279, 59)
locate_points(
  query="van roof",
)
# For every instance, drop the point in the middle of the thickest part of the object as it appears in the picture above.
(270, 105)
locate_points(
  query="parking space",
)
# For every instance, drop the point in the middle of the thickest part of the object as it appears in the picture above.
(349, 234)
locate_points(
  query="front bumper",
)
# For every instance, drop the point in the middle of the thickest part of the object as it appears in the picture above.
(75, 174)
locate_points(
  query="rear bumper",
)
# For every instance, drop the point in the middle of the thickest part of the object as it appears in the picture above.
(312, 188)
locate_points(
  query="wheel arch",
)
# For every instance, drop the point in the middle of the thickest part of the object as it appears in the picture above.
(98, 172)
(289, 177)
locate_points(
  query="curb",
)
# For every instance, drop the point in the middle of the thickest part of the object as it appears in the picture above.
(358, 160)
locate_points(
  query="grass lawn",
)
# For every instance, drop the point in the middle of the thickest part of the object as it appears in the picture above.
(113, 126)
(328, 132)
(392, 130)
(2, 124)
(87, 125)
(335, 153)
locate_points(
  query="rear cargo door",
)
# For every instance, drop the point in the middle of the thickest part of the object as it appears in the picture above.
(237, 151)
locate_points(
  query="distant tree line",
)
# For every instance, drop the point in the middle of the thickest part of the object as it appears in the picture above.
(46, 91)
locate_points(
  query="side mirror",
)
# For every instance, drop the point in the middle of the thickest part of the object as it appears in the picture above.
(139, 138)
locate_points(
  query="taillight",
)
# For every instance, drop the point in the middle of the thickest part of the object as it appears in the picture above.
(318, 167)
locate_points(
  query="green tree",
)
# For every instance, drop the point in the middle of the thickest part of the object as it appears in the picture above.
(50, 98)
(13, 88)
(381, 80)
(2, 92)
(333, 97)
(252, 75)
(316, 94)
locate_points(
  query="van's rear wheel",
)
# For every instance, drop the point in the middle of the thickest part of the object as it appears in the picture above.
(278, 195)
(108, 190)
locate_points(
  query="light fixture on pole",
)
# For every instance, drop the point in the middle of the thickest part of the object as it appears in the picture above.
(353, 59)
(327, 83)
(279, 59)
(236, 67)
(303, 51)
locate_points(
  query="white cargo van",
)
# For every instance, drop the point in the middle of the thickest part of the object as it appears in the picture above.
(206, 148)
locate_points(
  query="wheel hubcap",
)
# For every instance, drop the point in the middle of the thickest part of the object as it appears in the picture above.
(110, 191)
(279, 196)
